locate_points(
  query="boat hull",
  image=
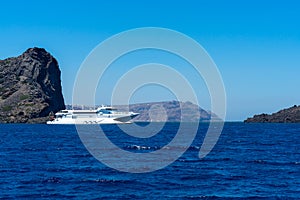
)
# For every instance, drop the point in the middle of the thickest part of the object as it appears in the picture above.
(96, 120)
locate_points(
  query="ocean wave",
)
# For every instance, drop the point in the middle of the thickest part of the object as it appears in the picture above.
(140, 147)
(259, 161)
(53, 180)
(189, 160)
(107, 181)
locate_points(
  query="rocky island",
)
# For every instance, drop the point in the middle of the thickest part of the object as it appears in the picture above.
(30, 87)
(172, 111)
(289, 115)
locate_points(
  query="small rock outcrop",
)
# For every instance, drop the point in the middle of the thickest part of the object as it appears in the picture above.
(30, 87)
(289, 115)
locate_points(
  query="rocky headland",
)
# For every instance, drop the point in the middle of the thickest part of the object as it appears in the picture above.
(289, 115)
(30, 87)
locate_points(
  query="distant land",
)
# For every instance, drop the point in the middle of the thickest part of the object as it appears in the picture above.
(30, 87)
(288, 115)
(171, 111)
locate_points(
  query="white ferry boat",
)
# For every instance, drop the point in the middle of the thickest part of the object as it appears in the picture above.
(102, 115)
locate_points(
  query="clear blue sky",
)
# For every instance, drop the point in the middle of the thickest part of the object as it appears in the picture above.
(255, 44)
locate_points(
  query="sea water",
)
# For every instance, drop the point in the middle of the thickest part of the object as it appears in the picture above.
(249, 160)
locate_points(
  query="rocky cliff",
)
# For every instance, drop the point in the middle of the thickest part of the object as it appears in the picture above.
(30, 87)
(289, 115)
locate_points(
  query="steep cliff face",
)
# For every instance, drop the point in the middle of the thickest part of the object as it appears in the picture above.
(30, 87)
(289, 115)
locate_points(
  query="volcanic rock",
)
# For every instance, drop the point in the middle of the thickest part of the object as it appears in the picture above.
(30, 87)
(289, 115)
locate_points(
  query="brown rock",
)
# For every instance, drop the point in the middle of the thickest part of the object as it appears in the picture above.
(289, 115)
(30, 87)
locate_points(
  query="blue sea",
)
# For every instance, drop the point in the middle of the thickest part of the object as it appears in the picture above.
(249, 161)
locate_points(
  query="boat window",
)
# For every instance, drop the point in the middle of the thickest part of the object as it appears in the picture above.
(105, 111)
